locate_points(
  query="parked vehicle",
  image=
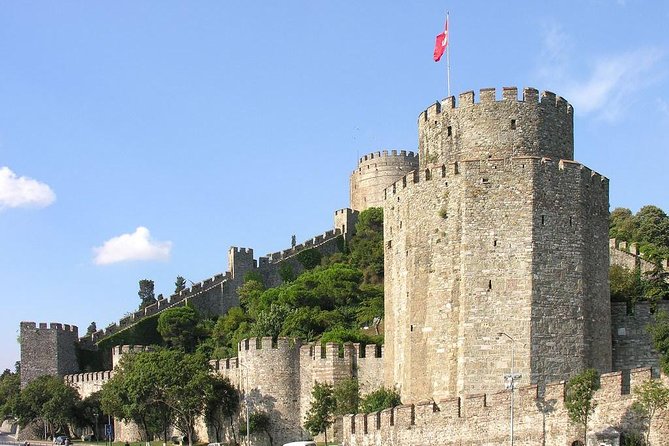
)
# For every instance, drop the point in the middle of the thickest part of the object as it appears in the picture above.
(62, 440)
(301, 443)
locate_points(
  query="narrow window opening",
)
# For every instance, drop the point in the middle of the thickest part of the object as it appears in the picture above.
(389, 244)
(571, 221)
(484, 181)
(449, 131)
(543, 220)
(400, 225)
(494, 243)
(427, 174)
(513, 124)
(489, 285)
(411, 327)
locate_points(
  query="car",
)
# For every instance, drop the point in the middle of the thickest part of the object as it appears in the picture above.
(61, 440)
(88, 437)
(301, 443)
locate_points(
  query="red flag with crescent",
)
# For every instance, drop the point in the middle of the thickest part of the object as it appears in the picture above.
(441, 43)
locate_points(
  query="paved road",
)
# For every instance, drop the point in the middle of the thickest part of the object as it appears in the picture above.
(6, 439)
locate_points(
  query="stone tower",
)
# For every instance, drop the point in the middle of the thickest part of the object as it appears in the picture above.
(47, 350)
(498, 231)
(374, 173)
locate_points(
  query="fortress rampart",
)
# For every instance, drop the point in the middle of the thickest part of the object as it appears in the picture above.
(217, 294)
(278, 375)
(628, 256)
(375, 172)
(632, 344)
(483, 419)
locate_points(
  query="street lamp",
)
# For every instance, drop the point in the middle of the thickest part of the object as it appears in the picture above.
(510, 379)
(96, 414)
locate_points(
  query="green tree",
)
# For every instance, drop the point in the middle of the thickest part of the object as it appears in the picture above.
(659, 332)
(309, 258)
(222, 404)
(380, 399)
(651, 396)
(158, 387)
(47, 399)
(370, 310)
(92, 328)
(346, 394)
(656, 284)
(10, 387)
(321, 413)
(626, 285)
(146, 294)
(270, 322)
(261, 422)
(178, 327)
(579, 400)
(131, 395)
(179, 284)
(85, 411)
(621, 224)
(366, 247)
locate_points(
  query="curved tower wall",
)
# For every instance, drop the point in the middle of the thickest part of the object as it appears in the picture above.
(270, 379)
(536, 126)
(375, 172)
(492, 237)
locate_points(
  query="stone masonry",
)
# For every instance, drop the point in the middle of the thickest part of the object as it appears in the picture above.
(497, 231)
(47, 350)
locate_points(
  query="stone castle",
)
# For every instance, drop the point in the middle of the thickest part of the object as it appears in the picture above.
(495, 240)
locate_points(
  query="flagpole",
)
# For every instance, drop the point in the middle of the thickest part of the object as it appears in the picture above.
(448, 56)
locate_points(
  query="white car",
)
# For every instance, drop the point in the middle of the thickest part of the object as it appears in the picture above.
(301, 443)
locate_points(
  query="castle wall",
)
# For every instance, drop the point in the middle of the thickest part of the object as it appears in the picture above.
(271, 381)
(628, 256)
(483, 419)
(375, 172)
(87, 384)
(632, 344)
(494, 242)
(47, 350)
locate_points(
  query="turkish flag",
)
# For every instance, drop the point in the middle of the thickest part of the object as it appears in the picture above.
(441, 43)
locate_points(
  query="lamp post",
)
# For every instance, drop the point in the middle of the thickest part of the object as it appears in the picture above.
(511, 378)
(96, 414)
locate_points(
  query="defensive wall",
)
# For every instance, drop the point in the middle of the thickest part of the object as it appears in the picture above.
(632, 344)
(278, 376)
(484, 419)
(627, 255)
(47, 349)
(375, 172)
(217, 294)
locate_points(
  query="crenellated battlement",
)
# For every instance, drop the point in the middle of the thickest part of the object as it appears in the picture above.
(628, 255)
(538, 125)
(488, 96)
(55, 326)
(267, 343)
(476, 408)
(91, 377)
(387, 156)
(314, 242)
(316, 351)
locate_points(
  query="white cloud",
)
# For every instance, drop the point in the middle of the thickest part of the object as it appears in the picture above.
(607, 85)
(128, 247)
(18, 191)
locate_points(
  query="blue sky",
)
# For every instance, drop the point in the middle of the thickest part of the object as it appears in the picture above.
(142, 139)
